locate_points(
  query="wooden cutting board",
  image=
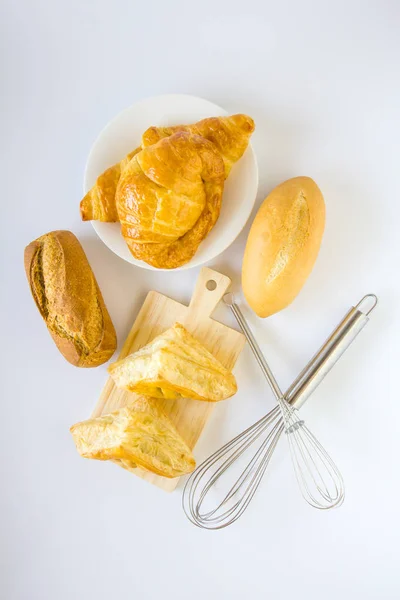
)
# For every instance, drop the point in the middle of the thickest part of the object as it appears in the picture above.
(157, 314)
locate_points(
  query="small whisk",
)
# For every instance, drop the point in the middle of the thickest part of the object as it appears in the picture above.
(319, 479)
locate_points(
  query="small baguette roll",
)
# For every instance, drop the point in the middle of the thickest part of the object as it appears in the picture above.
(68, 298)
(283, 245)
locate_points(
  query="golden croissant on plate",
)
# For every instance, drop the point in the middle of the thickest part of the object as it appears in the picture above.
(167, 194)
(230, 135)
(138, 435)
(99, 202)
(174, 365)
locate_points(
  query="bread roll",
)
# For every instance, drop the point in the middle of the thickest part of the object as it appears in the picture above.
(69, 299)
(283, 245)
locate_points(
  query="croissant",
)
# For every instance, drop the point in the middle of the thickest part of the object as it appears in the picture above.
(99, 202)
(138, 435)
(174, 365)
(230, 135)
(168, 196)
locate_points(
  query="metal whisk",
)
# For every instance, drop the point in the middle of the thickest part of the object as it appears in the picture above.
(319, 479)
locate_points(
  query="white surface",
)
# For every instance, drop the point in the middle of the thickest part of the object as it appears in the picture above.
(321, 81)
(124, 133)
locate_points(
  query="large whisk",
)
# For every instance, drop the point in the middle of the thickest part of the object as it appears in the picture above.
(319, 479)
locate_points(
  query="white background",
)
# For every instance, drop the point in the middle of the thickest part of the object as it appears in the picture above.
(321, 80)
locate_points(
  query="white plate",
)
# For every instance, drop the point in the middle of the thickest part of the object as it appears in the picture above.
(123, 134)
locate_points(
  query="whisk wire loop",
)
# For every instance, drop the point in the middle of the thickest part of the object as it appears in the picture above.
(196, 490)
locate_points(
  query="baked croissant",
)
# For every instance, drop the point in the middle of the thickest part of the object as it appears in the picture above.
(174, 365)
(230, 135)
(168, 196)
(138, 435)
(99, 202)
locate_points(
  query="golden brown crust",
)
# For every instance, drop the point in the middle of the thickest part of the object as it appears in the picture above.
(137, 191)
(137, 435)
(174, 365)
(283, 245)
(68, 298)
(230, 135)
(169, 198)
(99, 202)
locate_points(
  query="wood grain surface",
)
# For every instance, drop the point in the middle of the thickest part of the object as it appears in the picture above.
(157, 314)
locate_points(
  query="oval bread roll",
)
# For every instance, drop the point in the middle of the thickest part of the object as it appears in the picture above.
(283, 245)
(68, 298)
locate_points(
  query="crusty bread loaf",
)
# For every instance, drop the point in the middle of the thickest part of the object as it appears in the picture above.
(283, 245)
(69, 299)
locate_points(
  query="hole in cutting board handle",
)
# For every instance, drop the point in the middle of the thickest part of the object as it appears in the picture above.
(211, 285)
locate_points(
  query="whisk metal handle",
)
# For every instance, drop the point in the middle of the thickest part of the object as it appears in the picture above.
(322, 361)
(330, 352)
(229, 300)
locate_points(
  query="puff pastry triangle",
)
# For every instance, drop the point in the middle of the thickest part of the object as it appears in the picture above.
(174, 365)
(138, 435)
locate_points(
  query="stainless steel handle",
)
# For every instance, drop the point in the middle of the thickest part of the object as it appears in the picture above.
(322, 362)
(229, 300)
(330, 352)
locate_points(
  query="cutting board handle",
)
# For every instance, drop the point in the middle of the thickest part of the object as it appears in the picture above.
(210, 287)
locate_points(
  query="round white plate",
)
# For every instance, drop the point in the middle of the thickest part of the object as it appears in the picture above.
(124, 133)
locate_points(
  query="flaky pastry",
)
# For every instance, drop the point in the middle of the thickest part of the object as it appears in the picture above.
(230, 135)
(174, 365)
(138, 435)
(99, 202)
(168, 195)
